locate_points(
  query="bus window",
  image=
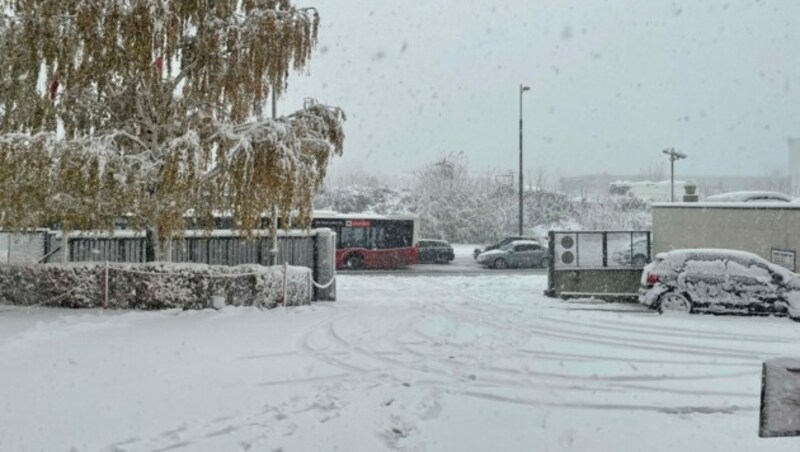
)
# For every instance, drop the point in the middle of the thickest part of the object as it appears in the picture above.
(399, 234)
(354, 238)
(377, 236)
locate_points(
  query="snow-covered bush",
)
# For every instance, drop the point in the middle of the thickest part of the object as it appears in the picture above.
(361, 198)
(151, 286)
(456, 206)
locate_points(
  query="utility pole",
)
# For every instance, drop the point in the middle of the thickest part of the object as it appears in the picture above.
(273, 253)
(522, 89)
(673, 155)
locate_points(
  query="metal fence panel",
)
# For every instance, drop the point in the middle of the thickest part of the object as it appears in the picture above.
(294, 250)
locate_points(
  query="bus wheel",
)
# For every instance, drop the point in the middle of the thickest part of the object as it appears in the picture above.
(354, 262)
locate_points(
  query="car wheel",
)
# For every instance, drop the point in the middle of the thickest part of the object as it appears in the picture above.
(639, 260)
(674, 302)
(354, 262)
(500, 264)
(545, 263)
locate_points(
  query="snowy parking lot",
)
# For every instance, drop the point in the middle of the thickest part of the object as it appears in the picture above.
(467, 363)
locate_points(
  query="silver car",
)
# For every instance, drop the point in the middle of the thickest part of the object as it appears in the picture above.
(517, 254)
(640, 258)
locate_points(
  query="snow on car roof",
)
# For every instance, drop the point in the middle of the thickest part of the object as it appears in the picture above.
(524, 242)
(678, 257)
(711, 253)
(708, 252)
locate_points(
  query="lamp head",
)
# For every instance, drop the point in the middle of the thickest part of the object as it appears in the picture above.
(673, 154)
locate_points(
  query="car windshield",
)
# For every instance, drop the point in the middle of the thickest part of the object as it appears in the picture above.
(508, 247)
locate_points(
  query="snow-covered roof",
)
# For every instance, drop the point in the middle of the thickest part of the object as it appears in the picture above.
(778, 205)
(743, 196)
(647, 183)
(361, 216)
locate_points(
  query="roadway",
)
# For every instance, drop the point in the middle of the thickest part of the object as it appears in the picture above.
(462, 265)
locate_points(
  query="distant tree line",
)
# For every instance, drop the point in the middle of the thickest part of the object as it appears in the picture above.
(459, 207)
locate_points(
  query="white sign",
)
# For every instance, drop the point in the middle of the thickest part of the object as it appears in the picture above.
(784, 258)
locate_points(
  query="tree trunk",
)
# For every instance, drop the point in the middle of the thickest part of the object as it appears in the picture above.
(152, 247)
(64, 246)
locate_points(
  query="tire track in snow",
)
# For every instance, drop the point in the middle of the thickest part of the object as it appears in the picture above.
(488, 379)
(532, 328)
(664, 333)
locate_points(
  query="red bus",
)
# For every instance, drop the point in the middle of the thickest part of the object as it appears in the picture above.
(368, 241)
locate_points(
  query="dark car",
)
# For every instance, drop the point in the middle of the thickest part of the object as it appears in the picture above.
(435, 251)
(501, 243)
(719, 281)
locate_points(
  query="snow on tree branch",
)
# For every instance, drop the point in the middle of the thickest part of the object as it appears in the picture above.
(151, 108)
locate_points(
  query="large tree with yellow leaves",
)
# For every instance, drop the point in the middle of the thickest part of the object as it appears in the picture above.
(149, 109)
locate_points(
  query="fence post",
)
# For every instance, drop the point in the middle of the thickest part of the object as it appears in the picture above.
(551, 251)
(285, 271)
(310, 287)
(605, 249)
(105, 287)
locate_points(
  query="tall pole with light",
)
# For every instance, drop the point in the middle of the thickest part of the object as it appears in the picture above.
(273, 253)
(673, 155)
(522, 89)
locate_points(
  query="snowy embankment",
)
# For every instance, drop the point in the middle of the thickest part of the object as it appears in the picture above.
(449, 363)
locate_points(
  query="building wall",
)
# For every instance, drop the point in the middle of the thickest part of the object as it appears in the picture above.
(756, 228)
(21, 248)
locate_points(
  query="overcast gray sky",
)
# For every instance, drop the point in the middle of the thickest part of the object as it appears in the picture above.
(612, 82)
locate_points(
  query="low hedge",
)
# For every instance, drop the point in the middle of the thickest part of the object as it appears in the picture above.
(151, 285)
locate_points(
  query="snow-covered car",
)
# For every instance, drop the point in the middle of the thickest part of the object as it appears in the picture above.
(517, 254)
(636, 256)
(435, 251)
(501, 243)
(750, 196)
(719, 281)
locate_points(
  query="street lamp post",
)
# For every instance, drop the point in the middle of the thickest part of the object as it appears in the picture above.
(522, 89)
(273, 253)
(673, 155)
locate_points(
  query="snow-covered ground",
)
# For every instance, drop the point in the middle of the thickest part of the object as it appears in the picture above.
(440, 364)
